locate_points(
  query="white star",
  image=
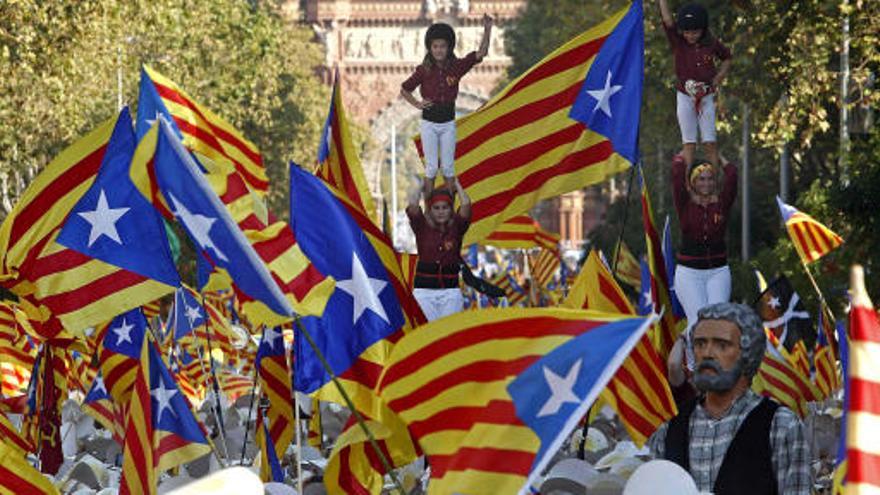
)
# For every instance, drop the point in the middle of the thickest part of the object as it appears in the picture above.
(364, 290)
(774, 302)
(603, 96)
(163, 397)
(103, 220)
(646, 297)
(199, 225)
(270, 335)
(560, 389)
(99, 385)
(192, 314)
(123, 333)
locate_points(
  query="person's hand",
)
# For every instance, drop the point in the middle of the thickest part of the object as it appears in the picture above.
(412, 196)
(425, 104)
(488, 21)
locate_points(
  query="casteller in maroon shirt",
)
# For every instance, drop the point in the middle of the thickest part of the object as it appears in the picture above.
(438, 83)
(439, 250)
(697, 61)
(703, 227)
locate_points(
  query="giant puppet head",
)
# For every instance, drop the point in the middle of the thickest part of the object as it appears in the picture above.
(728, 343)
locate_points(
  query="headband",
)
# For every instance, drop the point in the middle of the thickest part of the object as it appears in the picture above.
(440, 196)
(699, 169)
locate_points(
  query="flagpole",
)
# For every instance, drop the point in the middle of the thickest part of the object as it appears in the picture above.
(617, 250)
(823, 308)
(360, 419)
(251, 406)
(218, 414)
(299, 450)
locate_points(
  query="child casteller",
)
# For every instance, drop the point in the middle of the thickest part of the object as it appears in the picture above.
(437, 77)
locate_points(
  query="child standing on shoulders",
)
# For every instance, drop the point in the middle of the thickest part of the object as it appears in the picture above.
(695, 51)
(438, 77)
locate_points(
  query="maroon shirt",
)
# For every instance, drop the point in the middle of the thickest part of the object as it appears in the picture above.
(434, 245)
(440, 85)
(703, 227)
(695, 62)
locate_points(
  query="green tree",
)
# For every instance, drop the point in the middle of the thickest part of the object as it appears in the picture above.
(60, 62)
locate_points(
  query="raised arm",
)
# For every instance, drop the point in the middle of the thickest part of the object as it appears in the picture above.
(464, 208)
(668, 21)
(487, 37)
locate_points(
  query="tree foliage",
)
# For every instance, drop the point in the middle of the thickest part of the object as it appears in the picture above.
(60, 62)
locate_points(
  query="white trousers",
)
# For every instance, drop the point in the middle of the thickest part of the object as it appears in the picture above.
(438, 144)
(437, 303)
(696, 289)
(690, 122)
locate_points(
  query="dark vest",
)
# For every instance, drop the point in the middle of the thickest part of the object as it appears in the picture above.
(747, 466)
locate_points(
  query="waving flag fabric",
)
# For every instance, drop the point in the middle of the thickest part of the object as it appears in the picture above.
(779, 379)
(208, 223)
(784, 314)
(16, 347)
(114, 223)
(827, 376)
(306, 288)
(109, 413)
(65, 288)
(120, 353)
(365, 308)
(17, 476)
(625, 266)
(669, 262)
(199, 128)
(338, 162)
(278, 420)
(369, 311)
(667, 330)
(162, 432)
(543, 267)
(638, 391)
(569, 121)
(863, 406)
(491, 395)
(811, 239)
(522, 232)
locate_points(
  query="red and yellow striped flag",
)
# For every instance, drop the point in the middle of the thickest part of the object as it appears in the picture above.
(275, 381)
(626, 266)
(811, 239)
(522, 232)
(338, 163)
(780, 380)
(17, 476)
(522, 146)
(65, 288)
(208, 134)
(543, 267)
(15, 346)
(639, 391)
(863, 414)
(667, 327)
(827, 377)
(471, 387)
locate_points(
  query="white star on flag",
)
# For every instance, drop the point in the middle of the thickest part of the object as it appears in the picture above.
(603, 96)
(192, 314)
(364, 290)
(99, 385)
(199, 225)
(561, 389)
(123, 332)
(774, 302)
(103, 220)
(163, 396)
(270, 335)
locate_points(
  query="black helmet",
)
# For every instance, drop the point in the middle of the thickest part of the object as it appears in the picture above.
(691, 17)
(440, 31)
